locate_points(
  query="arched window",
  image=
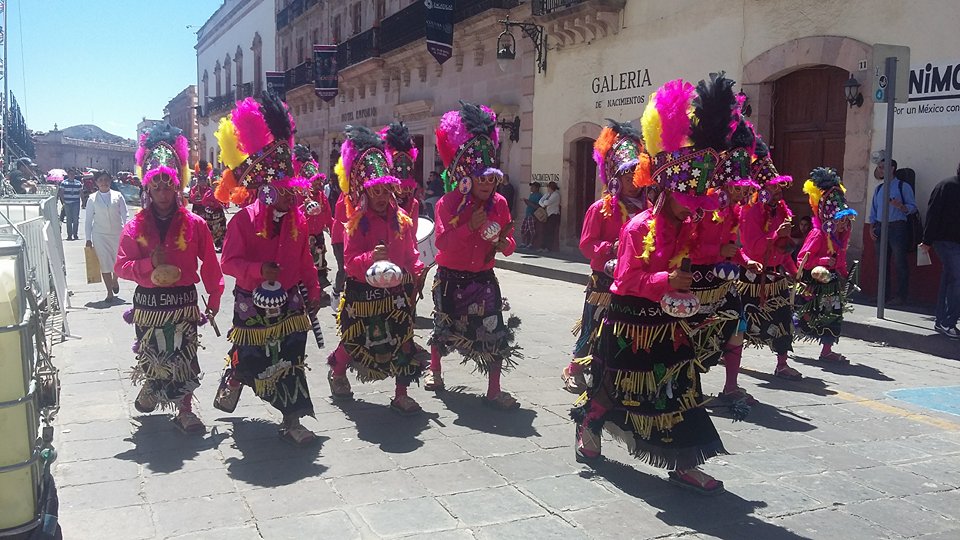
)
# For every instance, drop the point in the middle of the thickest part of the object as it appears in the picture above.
(257, 49)
(216, 77)
(227, 76)
(238, 60)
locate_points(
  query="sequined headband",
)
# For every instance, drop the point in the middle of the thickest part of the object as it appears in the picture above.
(270, 164)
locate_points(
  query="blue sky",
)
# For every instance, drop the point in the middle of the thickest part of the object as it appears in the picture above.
(103, 62)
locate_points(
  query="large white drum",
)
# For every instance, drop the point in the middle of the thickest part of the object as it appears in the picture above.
(426, 243)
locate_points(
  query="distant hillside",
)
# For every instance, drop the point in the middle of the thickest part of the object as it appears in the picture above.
(90, 132)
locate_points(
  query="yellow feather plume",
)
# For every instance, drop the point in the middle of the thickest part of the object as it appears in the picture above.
(342, 176)
(230, 154)
(651, 126)
(814, 194)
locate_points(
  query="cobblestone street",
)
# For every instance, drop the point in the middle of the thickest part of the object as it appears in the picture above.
(829, 457)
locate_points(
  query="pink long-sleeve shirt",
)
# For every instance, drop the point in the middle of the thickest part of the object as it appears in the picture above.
(458, 246)
(648, 279)
(139, 240)
(372, 231)
(245, 250)
(598, 235)
(758, 235)
(817, 246)
(339, 218)
(714, 231)
(322, 221)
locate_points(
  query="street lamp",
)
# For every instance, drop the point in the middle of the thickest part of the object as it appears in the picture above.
(507, 44)
(851, 90)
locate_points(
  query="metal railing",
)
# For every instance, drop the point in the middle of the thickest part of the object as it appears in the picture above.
(544, 7)
(299, 75)
(360, 47)
(403, 27)
(289, 14)
(218, 104)
(465, 9)
(37, 219)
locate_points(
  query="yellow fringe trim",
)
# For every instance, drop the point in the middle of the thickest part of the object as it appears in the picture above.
(577, 326)
(712, 296)
(755, 289)
(260, 336)
(601, 299)
(643, 337)
(153, 319)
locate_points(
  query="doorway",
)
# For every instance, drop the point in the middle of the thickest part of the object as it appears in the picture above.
(809, 126)
(584, 183)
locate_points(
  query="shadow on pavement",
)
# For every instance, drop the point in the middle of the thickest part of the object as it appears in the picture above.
(393, 433)
(769, 417)
(161, 448)
(423, 323)
(807, 385)
(267, 460)
(849, 370)
(725, 516)
(471, 413)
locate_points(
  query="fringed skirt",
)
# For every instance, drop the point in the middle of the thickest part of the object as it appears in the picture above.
(166, 320)
(468, 318)
(269, 350)
(594, 307)
(766, 307)
(217, 223)
(720, 315)
(820, 307)
(318, 249)
(649, 394)
(376, 330)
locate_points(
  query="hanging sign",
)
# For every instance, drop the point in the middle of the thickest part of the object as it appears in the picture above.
(439, 28)
(325, 71)
(277, 84)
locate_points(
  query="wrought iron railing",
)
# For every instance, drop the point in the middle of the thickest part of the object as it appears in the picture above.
(360, 47)
(403, 27)
(219, 103)
(469, 8)
(299, 75)
(244, 90)
(543, 7)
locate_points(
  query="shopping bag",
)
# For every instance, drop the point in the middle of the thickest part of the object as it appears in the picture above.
(93, 265)
(923, 257)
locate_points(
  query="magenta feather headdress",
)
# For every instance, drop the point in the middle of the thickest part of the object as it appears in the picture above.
(163, 151)
(402, 152)
(467, 142)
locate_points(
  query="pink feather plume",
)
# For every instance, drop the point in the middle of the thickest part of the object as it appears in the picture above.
(252, 131)
(141, 149)
(673, 103)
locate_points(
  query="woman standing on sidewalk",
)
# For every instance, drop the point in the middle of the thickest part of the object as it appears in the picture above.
(551, 228)
(104, 221)
(159, 251)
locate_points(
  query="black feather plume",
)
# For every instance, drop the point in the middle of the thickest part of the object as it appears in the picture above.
(398, 137)
(363, 138)
(275, 115)
(478, 121)
(624, 129)
(825, 178)
(713, 109)
(302, 153)
(762, 150)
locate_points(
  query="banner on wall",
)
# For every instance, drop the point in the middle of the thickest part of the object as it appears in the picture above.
(277, 83)
(934, 90)
(325, 71)
(439, 28)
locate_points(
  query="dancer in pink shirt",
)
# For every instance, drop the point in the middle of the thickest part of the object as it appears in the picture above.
(623, 166)
(382, 265)
(316, 208)
(205, 204)
(159, 250)
(399, 145)
(822, 291)
(473, 224)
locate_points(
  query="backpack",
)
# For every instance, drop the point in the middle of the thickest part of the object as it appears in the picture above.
(914, 225)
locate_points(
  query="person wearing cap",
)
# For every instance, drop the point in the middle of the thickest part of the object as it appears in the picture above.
(267, 250)
(551, 228)
(623, 166)
(529, 226)
(376, 323)
(166, 250)
(473, 225)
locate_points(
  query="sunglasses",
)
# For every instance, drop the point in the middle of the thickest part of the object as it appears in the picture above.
(488, 179)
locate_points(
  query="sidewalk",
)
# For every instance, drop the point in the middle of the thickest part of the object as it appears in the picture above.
(903, 329)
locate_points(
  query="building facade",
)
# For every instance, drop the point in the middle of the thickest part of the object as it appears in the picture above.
(608, 56)
(181, 112)
(57, 151)
(235, 47)
(386, 73)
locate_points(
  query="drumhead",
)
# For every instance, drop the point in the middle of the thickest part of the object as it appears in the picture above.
(424, 229)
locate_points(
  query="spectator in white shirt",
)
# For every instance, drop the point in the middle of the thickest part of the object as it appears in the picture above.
(551, 228)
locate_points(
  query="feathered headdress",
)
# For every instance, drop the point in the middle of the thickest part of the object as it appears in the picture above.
(734, 168)
(255, 146)
(163, 150)
(467, 141)
(763, 169)
(685, 129)
(827, 199)
(363, 164)
(304, 166)
(398, 144)
(616, 151)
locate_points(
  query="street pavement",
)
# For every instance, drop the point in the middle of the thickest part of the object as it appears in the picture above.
(832, 456)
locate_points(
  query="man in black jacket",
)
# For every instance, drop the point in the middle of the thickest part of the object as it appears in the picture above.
(942, 232)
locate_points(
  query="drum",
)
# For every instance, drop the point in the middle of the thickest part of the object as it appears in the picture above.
(426, 243)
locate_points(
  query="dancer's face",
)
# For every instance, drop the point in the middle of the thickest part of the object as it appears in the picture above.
(484, 186)
(286, 200)
(379, 197)
(629, 189)
(162, 193)
(677, 210)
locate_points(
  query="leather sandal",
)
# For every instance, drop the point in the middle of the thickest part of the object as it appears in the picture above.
(188, 423)
(737, 394)
(575, 383)
(788, 373)
(433, 381)
(339, 387)
(834, 358)
(503, 402)
(696, 480)
(588, 445)
(297, 435)
(405, 406)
